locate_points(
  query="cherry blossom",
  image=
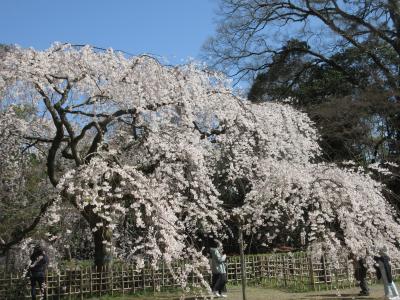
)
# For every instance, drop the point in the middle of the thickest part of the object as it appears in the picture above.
(149, 154)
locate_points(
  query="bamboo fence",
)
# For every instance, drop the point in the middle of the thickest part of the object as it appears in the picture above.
(292, 271)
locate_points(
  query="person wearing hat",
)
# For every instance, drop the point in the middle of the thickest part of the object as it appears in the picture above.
(37, 268)
(384, 272)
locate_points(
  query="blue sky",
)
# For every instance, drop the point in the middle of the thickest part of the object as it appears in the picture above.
(175, 29)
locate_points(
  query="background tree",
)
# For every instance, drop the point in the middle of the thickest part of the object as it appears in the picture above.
(350, 116)
(336, 60)
(251, 33)
(23, 190)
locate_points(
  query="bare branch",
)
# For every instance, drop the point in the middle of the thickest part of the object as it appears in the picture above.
(27, 230)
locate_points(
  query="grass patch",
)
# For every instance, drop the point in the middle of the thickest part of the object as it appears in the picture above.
(172, 293)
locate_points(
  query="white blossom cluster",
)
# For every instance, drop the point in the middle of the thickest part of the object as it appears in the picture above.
(170, 143)
(11, 159)
(338, 209)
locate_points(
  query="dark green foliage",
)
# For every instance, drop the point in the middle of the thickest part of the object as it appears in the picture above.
(356, 115)
(337, 60)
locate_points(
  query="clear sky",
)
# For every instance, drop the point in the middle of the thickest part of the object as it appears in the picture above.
(175, 29)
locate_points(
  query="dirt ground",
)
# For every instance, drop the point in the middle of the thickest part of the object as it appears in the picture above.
(255, 293)
(270, 294)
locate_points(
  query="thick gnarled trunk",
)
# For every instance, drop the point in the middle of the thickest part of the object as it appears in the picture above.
(102, 250)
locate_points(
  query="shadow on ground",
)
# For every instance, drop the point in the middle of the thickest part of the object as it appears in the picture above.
(340, 296)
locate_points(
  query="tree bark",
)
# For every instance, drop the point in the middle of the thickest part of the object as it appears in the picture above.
(102, 251)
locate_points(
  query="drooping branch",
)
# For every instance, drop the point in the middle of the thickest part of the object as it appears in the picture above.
(39, 139)
(20, 235)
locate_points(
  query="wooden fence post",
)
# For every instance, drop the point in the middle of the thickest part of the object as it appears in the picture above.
(46, 285)
(336, 279)
(81, 283)
(348, 272)
(59, 285)
(236, 273)
(254, 266)
(268, 270)
(91, 282)
(284, 269)
(69, 284)
(325, 273)
(112, 280)
(133, 280)
(101, 280)
(122, 280)
(312, 281)
(162, 273)
(153, 281)
(10, 285)
(301, 271)
(242, 262)
(262, 268)
(143, 279)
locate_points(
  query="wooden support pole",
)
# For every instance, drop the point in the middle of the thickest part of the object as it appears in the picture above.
(101, 281)
(133, 280)
(69, 283)
(162, 274)
(122, 280)
(46, 286)
(143, 279)
(81, 284)
(112, 280)
(59, 285)
(242, 262)
(312, 281)
(153, 281)
(90, 282)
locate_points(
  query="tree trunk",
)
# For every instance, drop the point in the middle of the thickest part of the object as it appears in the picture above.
(242, 261)
(102, 248)
(7, 269)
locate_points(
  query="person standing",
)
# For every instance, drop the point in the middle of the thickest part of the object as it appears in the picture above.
(384, 272)
(360, 274)
(218, 269)
(37, 268)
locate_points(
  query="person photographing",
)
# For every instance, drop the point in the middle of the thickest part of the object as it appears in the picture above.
(37, 270)
(218, 269)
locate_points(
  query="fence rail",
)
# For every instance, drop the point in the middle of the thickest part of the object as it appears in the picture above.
(296, 271)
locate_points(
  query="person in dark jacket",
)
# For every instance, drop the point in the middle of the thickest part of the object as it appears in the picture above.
(384, 272)
(360, 274)
(37, 268)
